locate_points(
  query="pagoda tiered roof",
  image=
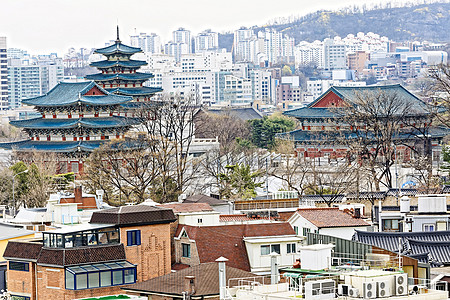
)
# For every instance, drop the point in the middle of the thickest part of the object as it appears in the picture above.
(121, 76)
(104, 122)
(118, 63)
(145, 90)
(66, 94)
(118, 47)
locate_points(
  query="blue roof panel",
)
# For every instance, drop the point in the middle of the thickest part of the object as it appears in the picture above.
(40, 123)
(135, 91)
(122, 76)
(122, 63)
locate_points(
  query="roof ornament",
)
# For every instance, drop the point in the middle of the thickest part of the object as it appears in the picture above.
(118, 39)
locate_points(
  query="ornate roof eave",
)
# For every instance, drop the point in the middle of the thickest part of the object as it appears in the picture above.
(48, 124)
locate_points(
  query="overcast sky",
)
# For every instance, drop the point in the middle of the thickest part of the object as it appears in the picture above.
(44, 26)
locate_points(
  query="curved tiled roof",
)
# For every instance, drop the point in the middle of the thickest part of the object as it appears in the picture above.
(145, 90)
(330, 217)
(104, 122)
(71, 146)
(122, 76)
(122, 63)
(118, 48)
(69, 93)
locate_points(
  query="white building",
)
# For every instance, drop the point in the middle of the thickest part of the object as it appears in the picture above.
(149, 43)
(3, 75)
(334, 53)
(182, 35)
(326, 221)
(206, 40)
(176, 49)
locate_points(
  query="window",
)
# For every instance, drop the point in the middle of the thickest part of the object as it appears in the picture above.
(265, 249)
(133, 237)
(275, 248)
(291, 248)
(16, 297)
(199, 221)
(390, 225)
(99, 275)
(428, 227)
(296, 230)
(305, 231)
(186, 249)
(19, 266)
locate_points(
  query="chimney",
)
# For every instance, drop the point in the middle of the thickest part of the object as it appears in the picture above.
(189, 286)
(222, 276)
(78, 192)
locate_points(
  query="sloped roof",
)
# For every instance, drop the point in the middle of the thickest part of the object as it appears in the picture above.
(70, 93)
(330, 217)
(227, 240)
(118, 48)
(63, 257)
(100, 122)
(206, 281)
(205, 199)
(438, 251)
(242, 113)
(188, 207)
(68, 146)
(133, 215)
(145, 90)
(122, 63)
(122, 76)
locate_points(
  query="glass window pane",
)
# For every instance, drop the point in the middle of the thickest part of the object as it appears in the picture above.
(81, 281)
(93, 280)
(276, 249)
(59, 241)
(70, 280)
(102, 238)
(77, 270)
(92, 239)
(265, 249)
(129, 275)
(105, 278)
(113, 237)
(117, 277)
(68, 241)
(113, 265)
(46, 240)
(101, 267)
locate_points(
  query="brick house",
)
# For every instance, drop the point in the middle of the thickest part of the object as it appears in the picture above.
(122, 245)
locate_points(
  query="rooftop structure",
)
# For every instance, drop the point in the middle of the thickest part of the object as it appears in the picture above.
(119, 73)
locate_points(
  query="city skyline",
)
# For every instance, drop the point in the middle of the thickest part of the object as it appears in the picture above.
(55, 26)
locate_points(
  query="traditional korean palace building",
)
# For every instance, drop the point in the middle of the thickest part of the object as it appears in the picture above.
(76, 119)
(119, 73)
(322, 126)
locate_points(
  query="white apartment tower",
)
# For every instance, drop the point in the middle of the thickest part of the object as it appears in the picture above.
(206, 40)
(3, 75)
(334, 53)
(149, 43)
(182, 35)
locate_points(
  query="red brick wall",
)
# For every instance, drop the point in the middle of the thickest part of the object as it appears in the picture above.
(153, 256)
(21, 282)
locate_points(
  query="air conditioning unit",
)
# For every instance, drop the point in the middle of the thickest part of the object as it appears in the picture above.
(353, 292)
(370, 289)
(401, 284)
(383, 289)
(343, 289)
(321, 289)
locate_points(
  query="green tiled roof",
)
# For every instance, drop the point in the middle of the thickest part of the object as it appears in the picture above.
(118, 48)
(130, 76)
(69, 93)
(106, 122)
(135, 91)
(121, 63)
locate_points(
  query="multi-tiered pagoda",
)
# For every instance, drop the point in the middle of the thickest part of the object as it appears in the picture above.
(119, 73)
(76, 119)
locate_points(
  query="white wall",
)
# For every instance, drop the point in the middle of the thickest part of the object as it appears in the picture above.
(260, 262)
(341, 232)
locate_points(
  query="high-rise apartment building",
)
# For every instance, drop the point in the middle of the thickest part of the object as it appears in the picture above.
(30, 78)
(182, 35)
(334, 53)
(3, 75)
(206, 40)
(176, 49)
(149, 43)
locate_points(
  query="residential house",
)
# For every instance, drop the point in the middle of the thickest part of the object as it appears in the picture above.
(247, 246)
(197, 282)
(328, 221)
(119, 246)
(218, 205)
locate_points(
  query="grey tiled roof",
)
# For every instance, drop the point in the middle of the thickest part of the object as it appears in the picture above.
(244, 113)
(133, 215)
(436, 243)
